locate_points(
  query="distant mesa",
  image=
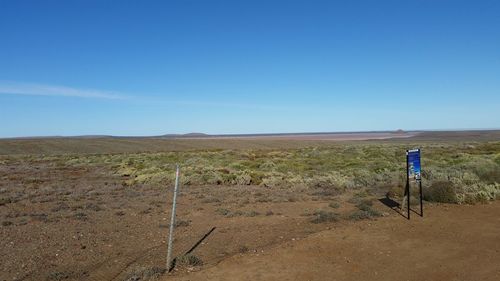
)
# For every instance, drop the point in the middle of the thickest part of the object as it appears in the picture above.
(195, 135)
(400, 131)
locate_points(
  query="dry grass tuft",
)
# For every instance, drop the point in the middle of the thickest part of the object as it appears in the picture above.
(325, 216)
(189, 260)
(145, 274)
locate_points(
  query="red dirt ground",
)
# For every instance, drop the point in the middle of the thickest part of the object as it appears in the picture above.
(70, 223)
(450, 243)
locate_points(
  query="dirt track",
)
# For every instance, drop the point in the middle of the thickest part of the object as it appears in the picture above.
(450, 243)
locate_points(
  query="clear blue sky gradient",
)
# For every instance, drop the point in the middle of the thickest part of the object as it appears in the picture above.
(157, 67)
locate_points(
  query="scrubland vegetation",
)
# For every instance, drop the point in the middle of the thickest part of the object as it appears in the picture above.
(453, 172)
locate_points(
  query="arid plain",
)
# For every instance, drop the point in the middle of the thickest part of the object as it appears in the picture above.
(289, 207)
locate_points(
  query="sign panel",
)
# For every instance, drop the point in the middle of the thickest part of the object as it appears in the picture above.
(414, 164)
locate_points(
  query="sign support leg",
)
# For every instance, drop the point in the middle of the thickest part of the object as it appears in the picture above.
(407, 187)
(421, 195)
(408, 197)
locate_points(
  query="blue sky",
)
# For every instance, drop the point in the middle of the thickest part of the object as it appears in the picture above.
(157, 67)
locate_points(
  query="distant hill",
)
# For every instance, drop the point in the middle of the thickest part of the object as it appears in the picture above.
(195, 135)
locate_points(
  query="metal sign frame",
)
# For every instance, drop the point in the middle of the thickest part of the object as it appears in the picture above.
(413, 170)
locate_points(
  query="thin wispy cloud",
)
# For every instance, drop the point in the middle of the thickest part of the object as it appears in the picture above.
(33, 89)
(30, 89)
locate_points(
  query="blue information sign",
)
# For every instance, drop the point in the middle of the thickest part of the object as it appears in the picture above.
(414, 164)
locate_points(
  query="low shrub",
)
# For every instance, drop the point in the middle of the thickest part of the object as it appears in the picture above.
(243, 179)
(182, 223)
(334, 205)
(363, 215)
(479, 193)
(236, 213)
(326, 192)
(59, 275)
(365, 211)
(80, 216)
(145, 273)
(365, 204)
(40, 217)
(94, 207)
(222, 211)
(442, 192)
(324, 216)
(189, 260)
(60, 207)
(243, 249)
(273, 181)
(395, 192)
(252, 214)
(5, 201)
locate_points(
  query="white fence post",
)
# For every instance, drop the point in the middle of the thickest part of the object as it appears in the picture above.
(172, 222)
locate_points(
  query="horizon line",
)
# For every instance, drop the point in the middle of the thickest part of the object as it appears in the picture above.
(201, 135)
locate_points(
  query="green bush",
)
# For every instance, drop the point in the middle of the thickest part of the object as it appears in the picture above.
(395, 192)
(490, 175)
(479, 193)
(441, 191)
